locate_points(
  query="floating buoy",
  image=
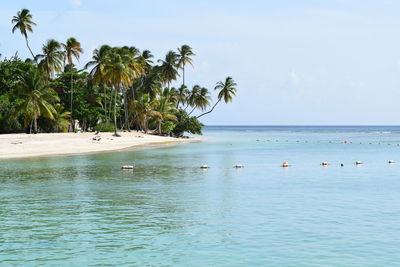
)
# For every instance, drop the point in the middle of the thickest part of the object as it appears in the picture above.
(358, 163)
(127, 167)
(238, 166)
(341, 164)
(391, 162)
(204, 167)
(285, 164)
(345, 142)
(325, 163)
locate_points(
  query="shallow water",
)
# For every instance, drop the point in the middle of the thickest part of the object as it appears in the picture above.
(84, 210)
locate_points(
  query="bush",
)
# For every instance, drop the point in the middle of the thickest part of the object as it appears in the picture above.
(167, 127)
(104, 127)
(187, 124)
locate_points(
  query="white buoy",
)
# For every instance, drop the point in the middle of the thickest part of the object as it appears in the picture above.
(127, 167)
(391, 162)
(204, 167)
(238, 166)
(358, 163)
(325, 163)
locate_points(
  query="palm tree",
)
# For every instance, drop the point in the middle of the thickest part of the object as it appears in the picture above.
(99, 61)
(23, 22)
(72, 48)
(185, 53)
(226, 93)
(119, 74)
(145, 60)
(152, 83)
(199, 98)
(163, 110)
(183, 94)
(61, 119)
(37, 98)
(168, 68)
(51, 59)
(142, 107)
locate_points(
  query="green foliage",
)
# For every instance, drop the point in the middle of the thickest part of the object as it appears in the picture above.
(167, 127)
(10, 72)
(104, 127)
(122, 85)
(187, 124)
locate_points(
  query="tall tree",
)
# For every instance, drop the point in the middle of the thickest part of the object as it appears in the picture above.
(38, 98)
(23, 22)
(72, 49)
(99, 61)
(119, 74)
(51, 59)
(168, 68)
(145, 60)
(227, 90)
(185, 54)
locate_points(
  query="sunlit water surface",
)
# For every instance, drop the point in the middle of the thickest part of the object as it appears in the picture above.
(84, 210)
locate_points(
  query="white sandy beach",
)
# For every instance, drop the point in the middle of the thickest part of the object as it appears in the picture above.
(32, 145)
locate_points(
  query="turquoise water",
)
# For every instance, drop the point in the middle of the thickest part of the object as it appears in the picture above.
(84, 210)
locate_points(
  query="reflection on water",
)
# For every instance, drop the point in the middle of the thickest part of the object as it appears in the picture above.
(85, 210)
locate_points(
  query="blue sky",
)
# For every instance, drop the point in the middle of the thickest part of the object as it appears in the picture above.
(296, 62)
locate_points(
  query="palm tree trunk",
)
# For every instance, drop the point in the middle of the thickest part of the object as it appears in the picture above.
(110, 105)
(72, 94)
(183, 83)
(191, 111)
(205, 113)
(126, 111)
(115, 113)
(30, 50)
(34, 121)
(105, 103)
(183, 74)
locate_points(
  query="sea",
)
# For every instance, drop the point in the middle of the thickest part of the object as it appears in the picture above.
(84, 210)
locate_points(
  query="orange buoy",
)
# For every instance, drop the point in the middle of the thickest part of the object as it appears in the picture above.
(285, 164)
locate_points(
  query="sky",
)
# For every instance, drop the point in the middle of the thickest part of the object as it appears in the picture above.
(296, 62)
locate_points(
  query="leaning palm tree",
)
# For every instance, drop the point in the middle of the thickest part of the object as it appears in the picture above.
(23, 22)
(72, 49)
(168, 69)
(51, 59)
(199, 98)
(226, 93)
(38, 98)
(185, 54)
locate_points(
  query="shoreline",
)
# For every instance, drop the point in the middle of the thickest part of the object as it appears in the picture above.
(18, 146)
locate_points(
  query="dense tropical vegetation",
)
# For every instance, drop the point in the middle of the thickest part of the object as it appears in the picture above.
(121, 88)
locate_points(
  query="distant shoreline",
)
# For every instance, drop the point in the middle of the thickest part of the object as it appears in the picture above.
(14, 146)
